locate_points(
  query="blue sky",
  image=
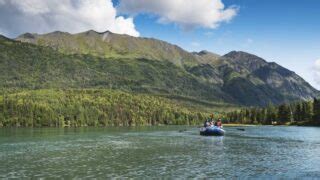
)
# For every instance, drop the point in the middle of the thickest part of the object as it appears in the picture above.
(284, 31)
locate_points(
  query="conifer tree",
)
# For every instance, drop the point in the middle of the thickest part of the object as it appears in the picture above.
(306, 111)
(284, 114)
(316, 111)
(298, 112)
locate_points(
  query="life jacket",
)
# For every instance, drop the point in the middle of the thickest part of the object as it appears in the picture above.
(206, 123)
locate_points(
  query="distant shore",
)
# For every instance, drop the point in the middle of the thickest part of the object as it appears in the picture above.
(305, 124)
(233, 124)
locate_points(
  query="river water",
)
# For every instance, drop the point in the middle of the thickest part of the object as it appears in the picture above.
(166, 152)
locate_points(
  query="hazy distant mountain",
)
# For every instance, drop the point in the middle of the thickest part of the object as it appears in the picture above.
(108, 60)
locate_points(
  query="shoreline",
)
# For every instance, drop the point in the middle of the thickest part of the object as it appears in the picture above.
(158, 125)
(242, 125)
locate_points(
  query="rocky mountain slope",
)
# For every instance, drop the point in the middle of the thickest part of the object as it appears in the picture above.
(107, 60)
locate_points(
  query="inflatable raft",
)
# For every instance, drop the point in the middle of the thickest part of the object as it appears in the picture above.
(212, 131)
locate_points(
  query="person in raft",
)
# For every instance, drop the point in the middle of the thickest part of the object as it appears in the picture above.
(219, 123)
(209, 122)
(206, 123)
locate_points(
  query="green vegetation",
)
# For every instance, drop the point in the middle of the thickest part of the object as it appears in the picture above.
(59, 108)
(27, 69)
(107, 60)
(105, 79)
(110, 45)
(29, 66)
(299, 113)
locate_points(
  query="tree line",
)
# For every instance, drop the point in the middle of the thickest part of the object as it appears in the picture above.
(96, 107)
(60, 108)
(298, 113)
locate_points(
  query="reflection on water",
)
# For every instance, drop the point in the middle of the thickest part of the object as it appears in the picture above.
(256, 152)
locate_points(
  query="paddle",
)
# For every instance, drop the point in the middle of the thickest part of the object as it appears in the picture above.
(241, 129)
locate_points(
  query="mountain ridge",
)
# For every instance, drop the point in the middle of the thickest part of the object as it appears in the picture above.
(108, 44)
(156, 66)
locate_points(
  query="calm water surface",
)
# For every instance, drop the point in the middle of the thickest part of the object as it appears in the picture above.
(258, 152)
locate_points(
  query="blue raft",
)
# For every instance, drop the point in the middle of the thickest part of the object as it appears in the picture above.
(212, 131)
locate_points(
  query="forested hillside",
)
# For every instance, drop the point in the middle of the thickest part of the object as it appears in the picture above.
(51, 74)
(59, 108)
(297, 113)
(237, 77)
(35, 67)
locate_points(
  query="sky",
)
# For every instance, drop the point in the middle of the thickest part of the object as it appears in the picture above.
(283, 31)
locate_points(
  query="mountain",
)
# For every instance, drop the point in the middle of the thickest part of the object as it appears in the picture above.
(206, 57)
(29, 66)
(268, 80)
(145, 65)
(108, 44)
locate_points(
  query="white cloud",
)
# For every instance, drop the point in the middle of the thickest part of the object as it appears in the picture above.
(188, 14)
(42, 16)
(208, 33)
(195, 44)
(249, 41)
(316, 70)
(317, 65)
